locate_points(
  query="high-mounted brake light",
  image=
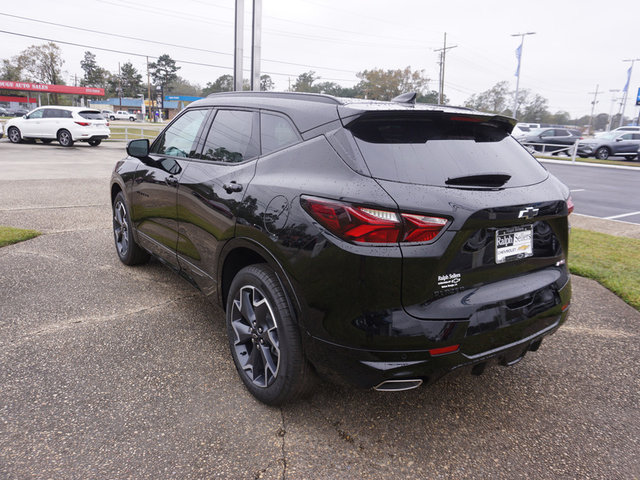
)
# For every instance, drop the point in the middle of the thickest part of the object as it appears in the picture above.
(83, 124)
(368, 225)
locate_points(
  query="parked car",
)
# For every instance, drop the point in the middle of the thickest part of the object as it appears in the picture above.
(1, 130)
(65, 124)
(4, 112)
(628, 128)
(340, 241)
(122, 115)
(546, 139)
(106, 113)
(17, 112)
(617, 143)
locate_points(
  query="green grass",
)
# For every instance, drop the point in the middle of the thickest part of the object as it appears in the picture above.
(118, 133)
(10, 235)
(614, 262)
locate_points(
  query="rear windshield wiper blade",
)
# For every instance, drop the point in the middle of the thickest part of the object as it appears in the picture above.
(490, 180)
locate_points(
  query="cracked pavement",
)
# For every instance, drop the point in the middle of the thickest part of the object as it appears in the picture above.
(109, 371)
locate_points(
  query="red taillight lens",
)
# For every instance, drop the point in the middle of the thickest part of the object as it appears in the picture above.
(107, 124)
(570, 205)
(83, 124)
(368, 225)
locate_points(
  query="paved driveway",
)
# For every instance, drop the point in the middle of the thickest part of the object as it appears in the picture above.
(115, 372)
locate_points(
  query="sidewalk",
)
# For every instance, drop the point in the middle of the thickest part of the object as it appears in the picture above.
(611, 227)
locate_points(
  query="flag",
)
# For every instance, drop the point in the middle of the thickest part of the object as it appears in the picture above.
(626, 85)
(518, 55)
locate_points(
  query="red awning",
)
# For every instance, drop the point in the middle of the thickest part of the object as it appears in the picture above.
(44, 88)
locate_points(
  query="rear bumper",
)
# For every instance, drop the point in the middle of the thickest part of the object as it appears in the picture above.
(368, 369)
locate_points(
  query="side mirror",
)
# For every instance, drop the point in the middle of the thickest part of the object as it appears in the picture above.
(138, 148)
(619, 139)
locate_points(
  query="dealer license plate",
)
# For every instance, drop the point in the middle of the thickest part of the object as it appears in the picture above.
(514, 243)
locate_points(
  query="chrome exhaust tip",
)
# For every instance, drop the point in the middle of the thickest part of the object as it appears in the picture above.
(398, 385)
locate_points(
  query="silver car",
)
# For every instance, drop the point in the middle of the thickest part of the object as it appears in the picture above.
(611, 144)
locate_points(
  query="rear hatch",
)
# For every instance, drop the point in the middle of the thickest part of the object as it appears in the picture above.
(93, 118)
(507, 216)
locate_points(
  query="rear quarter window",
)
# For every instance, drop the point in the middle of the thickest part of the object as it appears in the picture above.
(431, 151)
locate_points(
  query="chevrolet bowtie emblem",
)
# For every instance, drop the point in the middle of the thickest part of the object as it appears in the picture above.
(528, 212)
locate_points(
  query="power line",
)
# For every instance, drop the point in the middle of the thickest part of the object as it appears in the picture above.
(150, 56)
(168, 44)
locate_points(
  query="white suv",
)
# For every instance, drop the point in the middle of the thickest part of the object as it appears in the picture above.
(65, 124)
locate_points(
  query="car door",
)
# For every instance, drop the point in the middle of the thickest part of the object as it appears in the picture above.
(31, 126)
(50, 122)
(625, 145)
(155, 186)
(211, 195)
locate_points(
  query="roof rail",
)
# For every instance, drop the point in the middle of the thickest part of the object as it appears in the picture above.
(311, 97)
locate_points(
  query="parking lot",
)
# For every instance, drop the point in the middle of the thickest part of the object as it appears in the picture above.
(116, 372)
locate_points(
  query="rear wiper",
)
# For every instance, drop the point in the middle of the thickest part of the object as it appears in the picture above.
(490, 180)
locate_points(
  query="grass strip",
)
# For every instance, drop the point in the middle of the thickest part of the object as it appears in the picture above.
(10, 235)
(614, 262)
(628, 163)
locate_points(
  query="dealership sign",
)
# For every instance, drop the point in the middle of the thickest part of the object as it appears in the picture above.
(45, 88)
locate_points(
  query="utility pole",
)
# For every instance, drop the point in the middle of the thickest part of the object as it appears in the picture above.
(256, 46)
(519, 57)
(238, 51)
(593, 106)
(149, 90)
(120, 85)
(443, 53)
(626, 87)
(613, 102)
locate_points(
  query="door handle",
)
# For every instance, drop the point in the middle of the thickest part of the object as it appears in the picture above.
(171, 181)
(232, 187)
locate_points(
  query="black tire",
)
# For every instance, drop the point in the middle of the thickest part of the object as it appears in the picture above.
(629, 157)
(602, 153)
(132, 119)
(263, 336)
(94, 143)
(65, 139)
(14, 135)
(46, 141)
(112, 117)
(129, 252)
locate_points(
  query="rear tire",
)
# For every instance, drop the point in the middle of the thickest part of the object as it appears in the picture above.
(264, 337)
(65, 139)
(129, 252)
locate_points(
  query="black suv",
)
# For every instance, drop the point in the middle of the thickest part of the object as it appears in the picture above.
(381, 244)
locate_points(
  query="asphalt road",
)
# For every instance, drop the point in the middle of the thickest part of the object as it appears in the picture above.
(116, 372)
(611, 193)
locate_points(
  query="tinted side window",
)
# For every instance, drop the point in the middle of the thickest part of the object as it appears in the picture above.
(178, 140)
(626, 136)
(232, 137)
(636, 136)
(36, 113)
(50, 113)
(276, 133)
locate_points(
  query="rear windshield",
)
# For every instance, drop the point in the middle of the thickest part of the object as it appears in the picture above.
(91, 115)
(430, 151)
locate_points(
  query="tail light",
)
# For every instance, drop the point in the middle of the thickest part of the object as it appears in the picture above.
(83, 124)
(107, 124)
(570, 205)
(368, 225)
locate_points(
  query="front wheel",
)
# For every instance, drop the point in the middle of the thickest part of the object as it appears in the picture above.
(264, 338)
(14, 135)
(129, 252)
(94, 143)
(65, 139)
(602, 153)
(132, 119)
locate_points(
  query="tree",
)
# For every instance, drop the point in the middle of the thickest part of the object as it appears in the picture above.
(266, 83)
(494, 100)
(224, 83)
(382, 84)
(535, 110)
(433, 97)
(94, 76)
(43, 64)
(163, 72)
(184, 87)
(130, 80)
(11, 70)
(304, 82)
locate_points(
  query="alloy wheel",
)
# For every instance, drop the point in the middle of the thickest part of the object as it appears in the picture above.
(256, 342)
(121, 228)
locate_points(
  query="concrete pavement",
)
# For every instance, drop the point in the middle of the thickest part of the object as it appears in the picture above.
(117, 372)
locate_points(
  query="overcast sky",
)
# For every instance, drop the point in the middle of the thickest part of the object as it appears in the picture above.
(577, 45)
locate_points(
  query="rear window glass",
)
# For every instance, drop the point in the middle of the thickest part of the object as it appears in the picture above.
(430, 151)
(91, 115)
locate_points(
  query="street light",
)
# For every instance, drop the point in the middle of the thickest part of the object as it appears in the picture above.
(519, 56)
